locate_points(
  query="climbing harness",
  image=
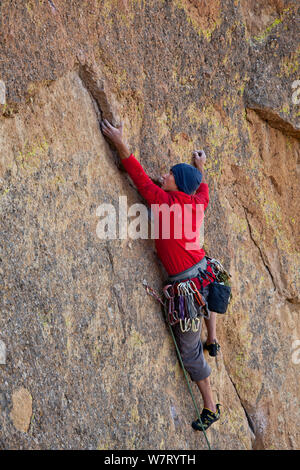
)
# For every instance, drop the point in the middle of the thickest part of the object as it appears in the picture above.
(219, 294)
(185, 304)
(154, 294)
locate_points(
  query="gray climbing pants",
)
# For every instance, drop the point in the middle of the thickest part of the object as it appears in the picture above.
(191, 349)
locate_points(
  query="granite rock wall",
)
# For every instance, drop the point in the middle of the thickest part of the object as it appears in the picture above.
(89, 361)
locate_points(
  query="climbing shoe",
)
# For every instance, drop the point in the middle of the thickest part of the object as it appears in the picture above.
(213, 348)
(208, 417)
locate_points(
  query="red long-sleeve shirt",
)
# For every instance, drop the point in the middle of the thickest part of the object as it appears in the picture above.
(175, 253)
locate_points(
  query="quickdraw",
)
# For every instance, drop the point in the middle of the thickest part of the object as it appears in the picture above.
(185, 325)
(152, 292)
(195, 304)
(190, 304)
(173, 316)
(201, 301)
(194, 327)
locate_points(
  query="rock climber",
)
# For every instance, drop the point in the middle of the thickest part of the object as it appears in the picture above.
(184, 184)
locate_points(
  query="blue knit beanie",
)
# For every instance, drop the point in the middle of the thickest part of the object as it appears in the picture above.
(187, 177)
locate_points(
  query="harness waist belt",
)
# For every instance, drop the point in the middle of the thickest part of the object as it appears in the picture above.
(190, 272)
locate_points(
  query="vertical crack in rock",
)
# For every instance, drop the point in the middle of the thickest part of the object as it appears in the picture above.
(111, 259)
(104, 110)
(258, 247)
(96, 88)
(249, 419)
(116, 292)
(121, 310)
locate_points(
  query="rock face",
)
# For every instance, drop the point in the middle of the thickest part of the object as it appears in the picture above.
(89, 361)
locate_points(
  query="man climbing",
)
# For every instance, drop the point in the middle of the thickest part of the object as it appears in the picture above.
(183, 185)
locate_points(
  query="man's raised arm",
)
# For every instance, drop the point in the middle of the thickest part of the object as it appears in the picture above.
(152, 193)
(202, 193)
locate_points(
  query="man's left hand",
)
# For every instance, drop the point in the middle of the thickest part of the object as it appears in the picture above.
(114, 134)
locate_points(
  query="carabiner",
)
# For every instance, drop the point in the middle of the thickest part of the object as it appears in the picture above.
(187, 325)
(166, 292)
(194, 327)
